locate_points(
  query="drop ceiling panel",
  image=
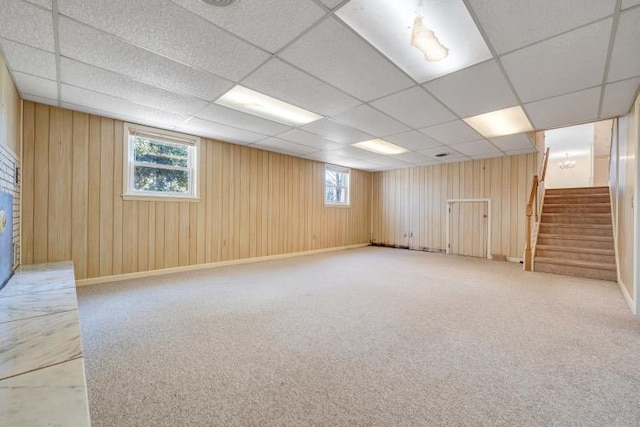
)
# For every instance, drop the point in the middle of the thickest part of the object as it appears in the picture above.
(286, 83)
(370, 120)
(625, 61)
(520, 151)
(414, 107)
(513, 24)
(561, 55)
(103, 50)
(169, 30)
(486, 156)
(414, 158)
(629, 3)
(42, 3)
(389, 162)
(29, 60)
(27, 83)
(413, 140)
(518, 141)
(26, 23)
(269, 24)
(336, 55)
(282, 146)
(579, 107)
(472, 148)
(331, 3)
(452, 133)
(110, 106)
(475, 90)
(309, 139)
(219, 132)
(227, 116)
(618, 98)
(452, 155)
(109, 83)
(335, 131)
(349, 152)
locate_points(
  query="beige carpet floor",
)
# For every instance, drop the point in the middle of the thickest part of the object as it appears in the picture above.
(370, 337)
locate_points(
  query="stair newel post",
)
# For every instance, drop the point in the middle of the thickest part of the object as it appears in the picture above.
(527, 248)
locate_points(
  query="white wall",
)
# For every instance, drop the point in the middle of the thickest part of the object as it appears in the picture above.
(577, 141)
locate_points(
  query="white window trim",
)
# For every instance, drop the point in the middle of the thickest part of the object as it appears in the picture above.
(341, 169)
(128, 192)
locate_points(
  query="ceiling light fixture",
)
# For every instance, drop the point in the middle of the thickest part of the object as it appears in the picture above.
(255, 103)
(380, 146)
(508, 121)
(426, 42)
(567, 164)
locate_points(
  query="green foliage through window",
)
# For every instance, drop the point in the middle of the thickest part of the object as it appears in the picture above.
(336, 186)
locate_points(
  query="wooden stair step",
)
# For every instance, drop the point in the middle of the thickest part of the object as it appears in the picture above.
(577, 190)
(577, 208)
(594, 251)
(576, 253)
(576, 237)
(577, 263)
(587, 229)
(576, 268)
(571, 218)
(576, 198)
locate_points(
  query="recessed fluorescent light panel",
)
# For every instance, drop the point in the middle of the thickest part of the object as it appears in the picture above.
(380, 146)
(391, 26)
(500, 123)
(251, 102)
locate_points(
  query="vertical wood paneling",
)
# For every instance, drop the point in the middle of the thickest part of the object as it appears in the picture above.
(504, 180)
(252, 202)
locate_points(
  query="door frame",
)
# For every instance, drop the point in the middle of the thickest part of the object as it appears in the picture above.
(451, 202)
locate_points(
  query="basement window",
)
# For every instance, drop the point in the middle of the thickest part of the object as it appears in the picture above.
(336, 185)
(160, 164)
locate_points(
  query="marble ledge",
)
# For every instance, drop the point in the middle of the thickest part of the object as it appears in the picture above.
(25, 306)
(36, 278)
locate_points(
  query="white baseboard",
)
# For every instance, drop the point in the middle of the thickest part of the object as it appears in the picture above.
(627, 297)
(151, 273)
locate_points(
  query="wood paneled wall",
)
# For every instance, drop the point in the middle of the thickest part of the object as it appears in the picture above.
(410, 205)
(10, 108)
(253, 203)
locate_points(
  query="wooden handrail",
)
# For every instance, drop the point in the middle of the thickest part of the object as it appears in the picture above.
(532, 207)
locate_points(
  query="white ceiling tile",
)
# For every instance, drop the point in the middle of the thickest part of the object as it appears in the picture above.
(572, 61)
(475, 90)
(286, 83)
(452, 132)
(473, 148)
(370, 120)
(42, 3)
(625, 61)
(269, 24)
(413, 157)
(309, 139)
(519, 141)
(520, 151)
(282, 146)
(629, 3)
(219, 132)
(29, 60)
(516, 23)
(331, 4)
(336, 132)
(390, 162)
(169, 30)
(26, 23)
(618, 98)
(486, 155)
(414, 107)
(362, 71)
(26, 83)
(578, 107)
(110, 106)
(40, 99)
(103, 50)
(451, 155)
(98, 80)
(413, 140)
(227, 116)
(352, 153)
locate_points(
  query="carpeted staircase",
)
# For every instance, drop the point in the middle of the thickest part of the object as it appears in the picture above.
(576, 236)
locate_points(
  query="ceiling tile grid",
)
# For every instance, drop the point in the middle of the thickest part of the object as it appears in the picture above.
(164, 63)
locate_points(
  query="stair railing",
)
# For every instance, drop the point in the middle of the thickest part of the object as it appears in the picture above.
(534, 209)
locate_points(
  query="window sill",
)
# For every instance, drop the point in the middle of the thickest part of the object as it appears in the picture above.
(142, 198)
(336, 205)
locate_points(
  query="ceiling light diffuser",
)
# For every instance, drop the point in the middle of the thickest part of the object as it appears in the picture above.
(380, 146)
(501, 122)
(390, 27)
(251, 102)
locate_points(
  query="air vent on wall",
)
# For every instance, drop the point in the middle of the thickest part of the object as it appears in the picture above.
(219, 3)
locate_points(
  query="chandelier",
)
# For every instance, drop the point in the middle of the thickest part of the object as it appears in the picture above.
(567, 164)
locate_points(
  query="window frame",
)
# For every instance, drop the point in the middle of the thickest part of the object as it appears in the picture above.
(167, 137)
(343, 170)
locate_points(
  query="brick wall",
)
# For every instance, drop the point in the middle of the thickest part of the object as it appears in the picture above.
(9, 183)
